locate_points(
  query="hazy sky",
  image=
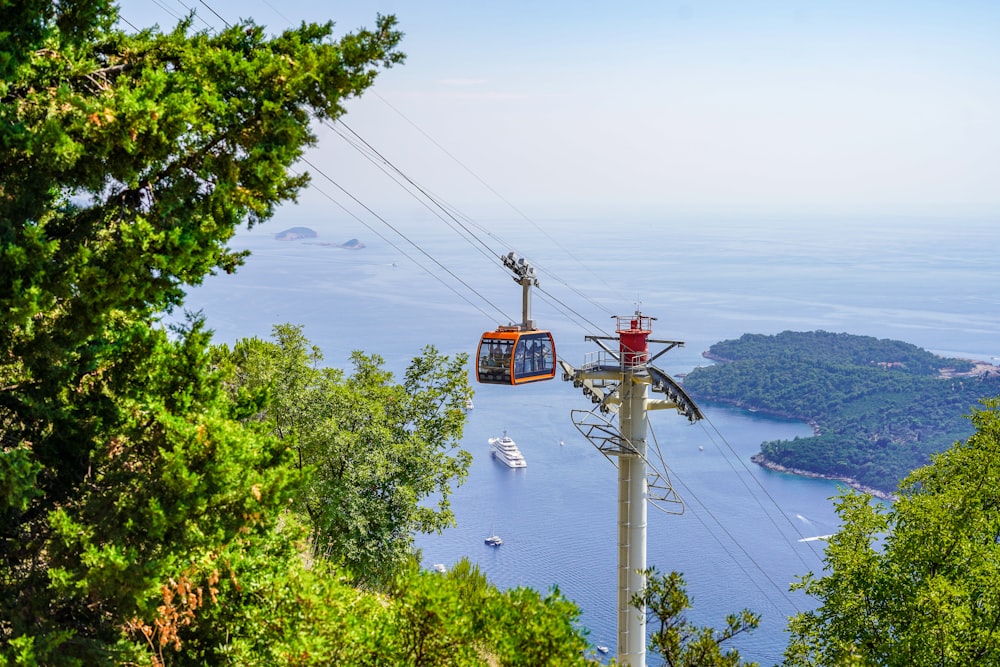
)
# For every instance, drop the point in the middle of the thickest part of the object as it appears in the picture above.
(663, 108)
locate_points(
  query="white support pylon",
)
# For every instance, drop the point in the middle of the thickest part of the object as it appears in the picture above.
(620, 382)
(632, 523)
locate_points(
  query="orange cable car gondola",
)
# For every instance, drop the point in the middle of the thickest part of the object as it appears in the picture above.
(517, 353)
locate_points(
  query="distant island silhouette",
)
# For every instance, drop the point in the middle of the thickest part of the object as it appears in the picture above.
(294, 233)
(297, 233)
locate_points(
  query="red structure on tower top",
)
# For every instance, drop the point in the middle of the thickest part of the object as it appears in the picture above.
(633, 332)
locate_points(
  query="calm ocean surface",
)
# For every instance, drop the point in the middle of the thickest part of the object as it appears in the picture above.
(928, 282)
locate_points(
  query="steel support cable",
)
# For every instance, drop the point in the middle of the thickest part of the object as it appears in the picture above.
(391, 171)
(577, 317)
(396, 247)
(275, 10)
(430, 197)
(167, 10)
(462, 220)
(192, 11)
(395, 175)
(569, 313)
(450, 211)
(760, 568)
(407, 239)
(580, 317)
(750, 491)
(127, 22)
(760, 486)
(216, 13)
(495, 193)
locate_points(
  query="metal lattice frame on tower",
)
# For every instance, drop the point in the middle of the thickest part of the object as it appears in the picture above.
(618, 382)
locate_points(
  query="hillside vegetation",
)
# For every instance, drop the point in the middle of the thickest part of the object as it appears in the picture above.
(879, 407)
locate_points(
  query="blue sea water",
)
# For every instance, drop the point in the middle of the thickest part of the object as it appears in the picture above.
(931, 282)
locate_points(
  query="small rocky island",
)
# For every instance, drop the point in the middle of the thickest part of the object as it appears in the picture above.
(300, 233)
(296, 233)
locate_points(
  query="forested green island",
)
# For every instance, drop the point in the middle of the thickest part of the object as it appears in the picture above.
(879, 408)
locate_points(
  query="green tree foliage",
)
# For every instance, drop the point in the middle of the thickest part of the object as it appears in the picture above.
(915, 582)
(280, 612)
(881, 406)
(459, 618)
(376, 452)
(144, 491)
(678, 641)
(127, 482)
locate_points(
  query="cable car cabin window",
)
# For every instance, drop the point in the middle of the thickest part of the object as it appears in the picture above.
(513, 357)
(495, 356)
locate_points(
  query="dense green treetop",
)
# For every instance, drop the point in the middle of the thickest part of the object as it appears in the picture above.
(126, 163)
(881, 407)
(915, 582)
(376, 452)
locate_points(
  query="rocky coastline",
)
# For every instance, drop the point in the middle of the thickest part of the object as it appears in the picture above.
(762, 461)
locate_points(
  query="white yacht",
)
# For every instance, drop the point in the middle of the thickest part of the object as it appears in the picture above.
(507, 452)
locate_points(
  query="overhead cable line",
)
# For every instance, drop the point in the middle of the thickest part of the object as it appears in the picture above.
(423, 191)
(404, 237)
(127, 22)
(166, 9)
(192, 11)
(760, 486)
(689, 492)
(275, 10)
(216, 13)
(497, 194)
(570, 313)
(441, 207)
(383, 163)
(567, 310)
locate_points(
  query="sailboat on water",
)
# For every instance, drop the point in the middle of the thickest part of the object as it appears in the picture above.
(493, 540)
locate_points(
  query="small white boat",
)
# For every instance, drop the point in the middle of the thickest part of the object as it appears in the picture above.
(439, 567)
(506, 451)
(602, 648)
(494, 540)
(469, 405)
